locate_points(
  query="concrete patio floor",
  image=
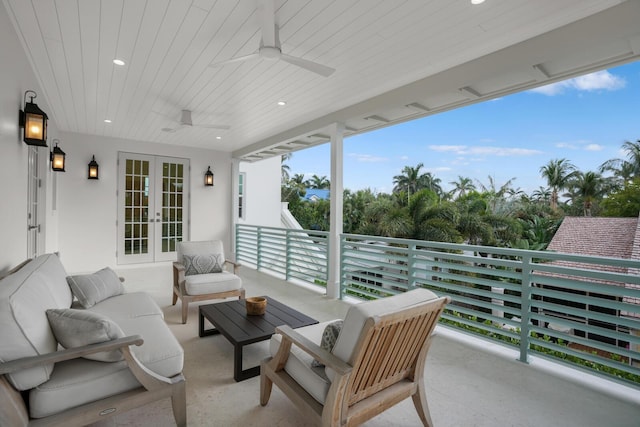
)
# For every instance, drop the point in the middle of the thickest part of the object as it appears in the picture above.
(469, 382)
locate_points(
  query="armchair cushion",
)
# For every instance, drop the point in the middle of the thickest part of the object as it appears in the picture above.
(201, 284)
(357, 315)
(90, 289)
(202, 264)
(77, 328)
(300, 364)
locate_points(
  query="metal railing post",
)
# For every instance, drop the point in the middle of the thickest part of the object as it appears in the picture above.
(411, 266)
(525, 308)
(259, 247)
(287, 240)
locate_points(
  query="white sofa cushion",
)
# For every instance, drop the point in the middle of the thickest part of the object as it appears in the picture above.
(24, 297)
(138, 314)
(77, 328)
(79, 381)
(299, 365)
(359, 313)
(200, 284)
(90, 289)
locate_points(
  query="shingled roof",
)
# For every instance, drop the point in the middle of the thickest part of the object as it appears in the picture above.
(604, 237)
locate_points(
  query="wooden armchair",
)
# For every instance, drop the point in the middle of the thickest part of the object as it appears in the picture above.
(378, 360)
(199, 275)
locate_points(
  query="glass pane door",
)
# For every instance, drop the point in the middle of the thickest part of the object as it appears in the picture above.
(152, 206)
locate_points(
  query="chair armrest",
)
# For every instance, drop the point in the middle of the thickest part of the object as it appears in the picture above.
(318, 353)
(178, 276)
(234, 264)
(68, 354)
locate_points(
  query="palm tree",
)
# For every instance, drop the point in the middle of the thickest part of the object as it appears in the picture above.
(429, 182)
(542, 194)
(587, 187)
(408, 180)
(462, 185)
(625, 170)
(285, 167)
(319, 182)
(558, 173)
(494, 193)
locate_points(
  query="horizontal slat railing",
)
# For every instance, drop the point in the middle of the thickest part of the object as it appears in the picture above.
(579, 310)
(295, 254)
(575, 309)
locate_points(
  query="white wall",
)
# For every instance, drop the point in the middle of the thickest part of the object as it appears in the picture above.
(262, 192)
(87, 209)
(16, 77)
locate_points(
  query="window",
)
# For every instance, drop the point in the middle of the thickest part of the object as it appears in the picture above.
(241, 185)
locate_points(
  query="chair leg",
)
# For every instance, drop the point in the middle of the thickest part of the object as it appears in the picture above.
(420, 402)
(185, 310)
(179, 404)
(175, 296)
(265, 385)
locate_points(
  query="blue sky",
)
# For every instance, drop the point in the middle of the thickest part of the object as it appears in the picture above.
(585, 120)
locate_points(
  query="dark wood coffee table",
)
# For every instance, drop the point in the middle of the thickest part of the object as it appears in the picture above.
(231, 320)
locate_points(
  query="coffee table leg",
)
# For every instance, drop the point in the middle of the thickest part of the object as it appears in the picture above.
(238, 373)
(201, 331)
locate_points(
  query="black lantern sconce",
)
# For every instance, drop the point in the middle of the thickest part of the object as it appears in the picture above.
(208, 177)
(57, 158)
(93, 169)
(34, 122)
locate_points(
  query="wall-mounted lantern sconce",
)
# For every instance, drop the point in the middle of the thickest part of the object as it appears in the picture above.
(34, 122)
(93, 169)
(208, 177)
(57, 158)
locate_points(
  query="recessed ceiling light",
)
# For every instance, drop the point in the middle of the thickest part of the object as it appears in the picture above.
(107, 121)
(282, 103)
(121, 62)
(477, 1)
(218, 137)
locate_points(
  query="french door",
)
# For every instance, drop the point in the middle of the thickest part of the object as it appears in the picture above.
(153, 207)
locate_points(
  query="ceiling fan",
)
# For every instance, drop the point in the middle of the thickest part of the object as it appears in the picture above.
(185, 121)
(270, 47)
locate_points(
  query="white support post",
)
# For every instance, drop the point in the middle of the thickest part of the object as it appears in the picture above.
(335, 228)
(235, 173)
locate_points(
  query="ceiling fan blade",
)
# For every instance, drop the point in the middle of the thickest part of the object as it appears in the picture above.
(323, 70)
(269, 24)
(238, 59)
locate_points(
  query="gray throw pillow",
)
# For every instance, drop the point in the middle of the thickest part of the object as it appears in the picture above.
(202, 264)
(329, 338)
(76, 328)
(90, 289)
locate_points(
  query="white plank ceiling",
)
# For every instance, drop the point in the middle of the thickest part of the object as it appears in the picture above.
(395, 60)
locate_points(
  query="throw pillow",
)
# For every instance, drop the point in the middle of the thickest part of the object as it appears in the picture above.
(202, 264)
(90, 289)
(76, 328)
(329, 338)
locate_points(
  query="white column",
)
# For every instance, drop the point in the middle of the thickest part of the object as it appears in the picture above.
(335, 229)
(235, 173)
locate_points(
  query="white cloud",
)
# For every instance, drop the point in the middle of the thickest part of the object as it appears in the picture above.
(404, 157)
(580, 145)
(486, 150)
(600, 80)
(367, 158)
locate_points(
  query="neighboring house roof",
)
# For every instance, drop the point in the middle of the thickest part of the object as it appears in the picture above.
(315, 194)
(604, 237)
